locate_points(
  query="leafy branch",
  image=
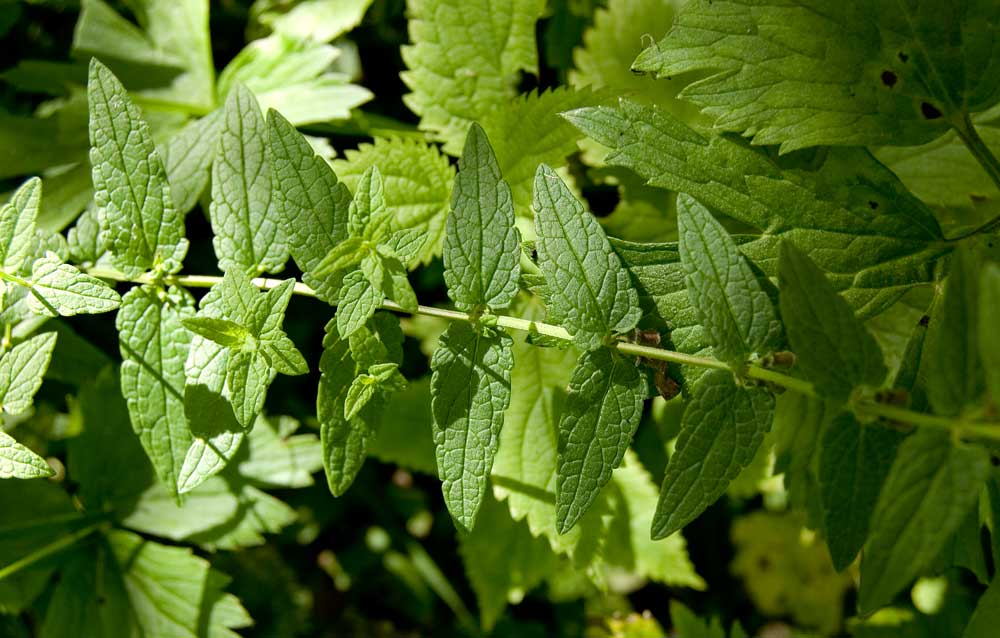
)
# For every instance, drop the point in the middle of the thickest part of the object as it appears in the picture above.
(755, 371)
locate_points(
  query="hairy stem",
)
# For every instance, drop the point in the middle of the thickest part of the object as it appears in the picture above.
(751, 371)
(970, 137)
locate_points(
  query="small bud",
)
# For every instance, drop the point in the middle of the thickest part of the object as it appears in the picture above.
(782, 359)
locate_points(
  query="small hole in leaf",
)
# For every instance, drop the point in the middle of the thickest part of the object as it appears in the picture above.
(889, 78)
(929, 111)
(872, 204)
(925, 320)
(903, 57)
(995, 461)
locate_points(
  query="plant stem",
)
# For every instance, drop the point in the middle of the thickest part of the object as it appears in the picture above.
(920, 419)
(970, 137)
(788, 382)
(57, 545)
(15, 279)
(752, 371)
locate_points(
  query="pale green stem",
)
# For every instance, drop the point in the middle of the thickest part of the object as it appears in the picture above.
(15, 279)
(771, 376)
(920, 419)
(751, 371)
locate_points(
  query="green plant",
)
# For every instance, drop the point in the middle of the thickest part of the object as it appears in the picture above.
(808, 238)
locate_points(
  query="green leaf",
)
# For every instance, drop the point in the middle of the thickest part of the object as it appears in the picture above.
(734, 308)
(157, 512)
(105, 616)
(610, 45)
(854, 460)
(417, 182)
(106, 459)
(222, 513)
(60, 289)
(312, 204)
(221, 331)
(281, 354)
(17, 461)
(405, 245)
(603, 409)
(525, 468)
(317, 20)
(951, 349)
(217, 435)
(529, 131)
(629, 544)
(481, 246)
(989, 340)
(503, 559)
(388, 275)
(174, 38)
(931, 487)
(856, 219)
(21, 371)
(17, 226)
(259, 514)
(154, 346)
(236, 315)
(722, 428)
(358, 395)
(799, 423)
(75, 360)
(84, 240)
(470, 391)
(962, 195)
(188, 159)
(33, 144)
(36, 516)
(102, 32)
(587, 286)
(368, 217)
(268, 312)
(345, 441)
(247, 234)
(341, 260)
(854, 74)
(143, 229)
(277, 458)
(68, 192)
(405, 438)
(172, 591)
(465, 59)
(983, 622)
(832, 347)
(688, 625)
(658, 275)
(293, 77)
(248, 376)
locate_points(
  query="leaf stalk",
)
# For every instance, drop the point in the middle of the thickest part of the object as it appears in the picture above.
(966, 131)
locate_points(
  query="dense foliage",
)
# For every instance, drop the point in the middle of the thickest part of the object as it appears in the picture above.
(553, 296)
